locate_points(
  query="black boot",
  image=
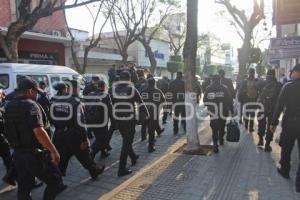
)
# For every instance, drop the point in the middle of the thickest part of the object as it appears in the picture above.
(124, 172)
(159, 132)
(268, 148)
(10, 177)
(261, 141)
(285, 175)
(151, 149)
(96, 171)
(104, 154)
(216, 148)
(134, 160)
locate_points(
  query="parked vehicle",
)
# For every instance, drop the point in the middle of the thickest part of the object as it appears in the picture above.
(50, 74)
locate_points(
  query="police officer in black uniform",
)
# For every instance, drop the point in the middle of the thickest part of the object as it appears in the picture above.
(34, 154)
(177, 90)
(227, 82)
(218, 95)
(70, 137)
(4, 146)
(113, 126)
(153, 98)
(268, 98)
(98, 117)
(92, 86)
(124, 98)
(288, 102)
(163, 85)
(247, 95)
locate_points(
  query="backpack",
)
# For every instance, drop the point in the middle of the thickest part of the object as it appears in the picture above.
(251, 90)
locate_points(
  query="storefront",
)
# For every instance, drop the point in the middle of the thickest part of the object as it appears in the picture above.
(35, 48)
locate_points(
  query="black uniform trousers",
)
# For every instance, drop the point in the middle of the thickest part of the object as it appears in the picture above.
(218, 129)
(167, 109)
(110, 133)
(5, 152)
(29, 166)
(127, 130)
(179, 110)
(249, 113)
(68, 144)
(100, 143)
(290, 133)
(264, 124)
(153, 126)
(144, 129)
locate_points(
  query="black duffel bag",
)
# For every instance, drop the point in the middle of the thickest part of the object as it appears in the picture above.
(233, 131)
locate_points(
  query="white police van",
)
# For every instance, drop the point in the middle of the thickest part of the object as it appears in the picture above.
(50, 74)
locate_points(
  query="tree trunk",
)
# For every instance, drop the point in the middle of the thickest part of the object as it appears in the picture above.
(243, 57)
(9, 46)
(151, 57)
(124, 56)
(189, 55)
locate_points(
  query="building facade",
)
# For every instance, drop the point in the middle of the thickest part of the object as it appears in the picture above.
(285, 48)
(107, 54)
(45, 43)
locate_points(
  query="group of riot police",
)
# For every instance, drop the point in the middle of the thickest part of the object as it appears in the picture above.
(45, 133)
(268, 98)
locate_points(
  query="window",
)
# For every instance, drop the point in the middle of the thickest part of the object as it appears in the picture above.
(54, 80)
(37, 78)
(4, 81)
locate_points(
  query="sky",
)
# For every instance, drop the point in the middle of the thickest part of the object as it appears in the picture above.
(208, 20)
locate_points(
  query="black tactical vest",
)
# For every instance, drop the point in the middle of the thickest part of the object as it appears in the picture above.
(17, 131)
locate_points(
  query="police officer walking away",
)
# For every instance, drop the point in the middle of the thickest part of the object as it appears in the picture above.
(34, 154)
(92, 86)
(218, 96)
(288, 102)
(9, 177)
(268, 98)
(153, 98)
(248, 94)
(98, 116)
(163, 85)
(70, 137)
(227, 82)
(124, 97)
(177, 90)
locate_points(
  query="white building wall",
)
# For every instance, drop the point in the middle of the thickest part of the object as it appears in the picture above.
(138, 51)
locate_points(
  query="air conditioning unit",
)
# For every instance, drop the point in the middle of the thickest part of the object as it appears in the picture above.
(56, 33)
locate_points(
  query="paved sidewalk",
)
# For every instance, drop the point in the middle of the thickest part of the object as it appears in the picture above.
(79, 184)
(239, 171)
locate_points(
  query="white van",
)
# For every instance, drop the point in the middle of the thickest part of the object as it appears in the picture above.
(50, 74)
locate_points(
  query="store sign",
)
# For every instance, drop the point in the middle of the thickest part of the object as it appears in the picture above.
(157, 55)
(285, 48)
(37, 56)
(286, 12)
